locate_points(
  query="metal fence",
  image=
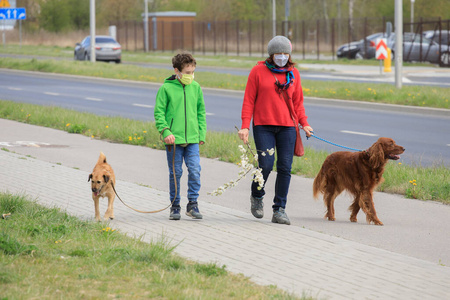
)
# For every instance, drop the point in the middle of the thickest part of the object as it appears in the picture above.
(316, 39)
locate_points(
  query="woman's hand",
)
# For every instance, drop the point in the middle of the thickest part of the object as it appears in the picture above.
(243, 135)
(308, 130)
(170, 139)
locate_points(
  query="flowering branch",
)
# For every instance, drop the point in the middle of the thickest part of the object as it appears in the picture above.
(246, 166)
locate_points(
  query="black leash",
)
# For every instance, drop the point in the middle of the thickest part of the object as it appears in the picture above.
(174, 178)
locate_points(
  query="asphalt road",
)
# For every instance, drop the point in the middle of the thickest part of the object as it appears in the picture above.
(423, 132)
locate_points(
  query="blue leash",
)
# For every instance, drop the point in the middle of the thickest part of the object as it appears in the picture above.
(319, 138)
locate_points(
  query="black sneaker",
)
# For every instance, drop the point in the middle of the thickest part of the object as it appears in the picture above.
(192, 210)
(257, 207)
(280, 217)
(175, 213)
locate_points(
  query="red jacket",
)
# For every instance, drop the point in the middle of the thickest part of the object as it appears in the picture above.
(265, 104)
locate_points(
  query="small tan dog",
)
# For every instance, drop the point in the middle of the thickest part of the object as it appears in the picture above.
(102, 178)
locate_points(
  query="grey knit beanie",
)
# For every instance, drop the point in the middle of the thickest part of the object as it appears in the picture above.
(279, 44)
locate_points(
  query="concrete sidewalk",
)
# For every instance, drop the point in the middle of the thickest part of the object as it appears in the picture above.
(296, 259)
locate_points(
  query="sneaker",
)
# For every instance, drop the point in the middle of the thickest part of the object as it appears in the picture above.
(280, 217)
(192, 210)
(175, 213)
(257, 207)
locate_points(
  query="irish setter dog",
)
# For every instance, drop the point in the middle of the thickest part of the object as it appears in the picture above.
(357, 172)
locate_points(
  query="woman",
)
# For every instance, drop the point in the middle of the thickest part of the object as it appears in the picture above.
(273, 126)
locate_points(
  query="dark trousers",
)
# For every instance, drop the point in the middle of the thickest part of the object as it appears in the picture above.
(282, 139)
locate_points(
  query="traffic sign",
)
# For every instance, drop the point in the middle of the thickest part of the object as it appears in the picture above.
(381, 49)
(13, 14)
(4, 3)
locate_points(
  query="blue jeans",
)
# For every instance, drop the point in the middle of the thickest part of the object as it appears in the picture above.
(191, 156)
(282, 139)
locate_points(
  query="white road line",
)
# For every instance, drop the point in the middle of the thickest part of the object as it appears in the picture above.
(210, 114)
(14, 89)
(93, 99)
(142, 105)
(52, 94)
(359, 133)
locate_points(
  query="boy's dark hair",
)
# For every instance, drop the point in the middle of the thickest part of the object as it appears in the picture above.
(181, 60)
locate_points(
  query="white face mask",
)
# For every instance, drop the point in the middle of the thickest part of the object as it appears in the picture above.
(280, 59)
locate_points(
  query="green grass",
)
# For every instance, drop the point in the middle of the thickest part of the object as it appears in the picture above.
(424, 96)
(432, 183)
(47, 254)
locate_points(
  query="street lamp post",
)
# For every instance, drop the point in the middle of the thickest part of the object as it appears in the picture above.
(274, 18)
(92, 27)
(412, 15)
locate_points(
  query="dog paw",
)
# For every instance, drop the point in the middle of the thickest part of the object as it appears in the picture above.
(331, 219)
(353, 219)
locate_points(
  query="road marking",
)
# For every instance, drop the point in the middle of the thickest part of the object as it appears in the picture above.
(15, 89)
(359, 133)
(142, 105)
(210, 114)
(93, 99)
(52, 94)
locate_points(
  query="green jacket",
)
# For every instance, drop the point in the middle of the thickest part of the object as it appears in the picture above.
(181, 109)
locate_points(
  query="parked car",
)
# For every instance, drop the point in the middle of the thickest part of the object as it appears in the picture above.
(420, 48)
(356, 50)
(434, 36)
(106, 49)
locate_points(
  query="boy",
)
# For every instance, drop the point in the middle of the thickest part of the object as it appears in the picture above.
(180, 117)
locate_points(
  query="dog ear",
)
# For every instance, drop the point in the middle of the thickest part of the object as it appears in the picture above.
(106, 178)
(376, 155)
(90, 177)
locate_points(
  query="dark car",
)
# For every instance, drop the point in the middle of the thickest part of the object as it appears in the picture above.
(106, 49)
(422, 49)
(357, 50)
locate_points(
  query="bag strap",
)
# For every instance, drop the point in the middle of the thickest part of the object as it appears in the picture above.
(288, 103)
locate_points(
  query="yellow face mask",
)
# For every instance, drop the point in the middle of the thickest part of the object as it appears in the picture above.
(186, 79)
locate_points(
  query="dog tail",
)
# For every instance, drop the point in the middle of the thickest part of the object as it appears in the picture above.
(319, 183)
(102, 158)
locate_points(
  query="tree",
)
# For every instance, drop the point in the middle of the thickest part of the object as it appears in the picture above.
(54, 15)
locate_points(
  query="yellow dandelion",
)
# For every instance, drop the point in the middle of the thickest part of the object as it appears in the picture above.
(399, 163)
(369, 89)
(68, 124)
(92, 136)
(414, 184)
(107, 126)
(145, 131)
(130, 138)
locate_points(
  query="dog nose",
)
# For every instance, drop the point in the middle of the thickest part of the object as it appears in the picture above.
(94, 190)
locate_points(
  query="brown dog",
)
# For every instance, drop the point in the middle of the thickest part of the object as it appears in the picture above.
(357, 172)
(102, 178)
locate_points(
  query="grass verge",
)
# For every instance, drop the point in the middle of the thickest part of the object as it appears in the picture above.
(425, 183)
(425, 96)
(47, 254)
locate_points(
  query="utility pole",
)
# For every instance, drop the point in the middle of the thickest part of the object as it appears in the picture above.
(274, 18)
(92, 25)
(412, 15)
(398, 43)
(146, 25)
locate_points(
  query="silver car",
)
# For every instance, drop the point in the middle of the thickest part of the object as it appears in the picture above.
(420, 48)
(106, 49)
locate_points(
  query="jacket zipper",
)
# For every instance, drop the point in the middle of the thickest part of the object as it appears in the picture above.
(185, 114)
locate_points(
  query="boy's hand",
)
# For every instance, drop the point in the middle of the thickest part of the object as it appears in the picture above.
(170, 140)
